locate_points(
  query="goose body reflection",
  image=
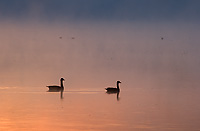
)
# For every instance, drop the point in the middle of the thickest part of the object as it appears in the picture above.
(55, 88)
(113, 90)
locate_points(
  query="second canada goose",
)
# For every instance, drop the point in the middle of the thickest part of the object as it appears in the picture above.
(113, 90)
(56, 88)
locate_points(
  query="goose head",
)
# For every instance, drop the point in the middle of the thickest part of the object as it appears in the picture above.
(118, 81)
(62, 79)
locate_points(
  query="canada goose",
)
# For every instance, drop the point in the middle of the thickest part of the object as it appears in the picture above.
(113, 90)
(56, 88)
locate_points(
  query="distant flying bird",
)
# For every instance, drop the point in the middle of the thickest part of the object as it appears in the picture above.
(60, 37)
(56, 88)
(162, 38)
(73, 37)
(113, 90)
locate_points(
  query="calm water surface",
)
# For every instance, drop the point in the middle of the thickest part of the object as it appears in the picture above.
(173, 109)
(158, 64)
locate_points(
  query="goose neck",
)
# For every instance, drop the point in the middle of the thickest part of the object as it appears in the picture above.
(118, 86)
(61, 84)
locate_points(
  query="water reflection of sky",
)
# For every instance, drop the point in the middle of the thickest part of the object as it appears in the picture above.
(95, 43)
(152, 47)
(138, 109)
(34, 55)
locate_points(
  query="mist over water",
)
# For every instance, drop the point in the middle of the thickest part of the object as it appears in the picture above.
(152, 47)
(94, 55)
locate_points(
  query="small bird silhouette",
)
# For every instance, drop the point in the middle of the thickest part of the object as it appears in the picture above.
(113, 90)
(56, 88)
